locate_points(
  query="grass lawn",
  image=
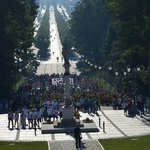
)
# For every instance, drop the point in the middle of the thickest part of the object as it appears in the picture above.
(23, 145)
(134, 143)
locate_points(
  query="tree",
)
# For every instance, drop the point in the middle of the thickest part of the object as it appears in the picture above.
(89, 25)
(114, 31)
(42, 37)
(16, 36)
(131, 19)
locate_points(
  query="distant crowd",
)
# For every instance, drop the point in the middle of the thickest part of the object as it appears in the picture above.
(43, 97)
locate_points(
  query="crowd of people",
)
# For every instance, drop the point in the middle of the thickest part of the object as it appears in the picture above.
(43, 97)
(39, 98)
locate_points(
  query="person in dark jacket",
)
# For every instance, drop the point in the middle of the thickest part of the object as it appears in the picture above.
(77, 135)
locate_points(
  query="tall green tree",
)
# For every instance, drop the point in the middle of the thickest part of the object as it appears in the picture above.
(42, 38)
(131, 21)
(89, 25)
(16, 36)
(114, 31)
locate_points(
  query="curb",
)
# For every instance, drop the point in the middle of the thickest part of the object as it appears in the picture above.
(100, 145)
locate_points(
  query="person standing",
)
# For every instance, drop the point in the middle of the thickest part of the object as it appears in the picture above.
(29, 117)
(22, 118)
(16, 116)
(77, 136)
(49, 112)
(35, 124)
(39, 115)
(10, 117)
(61, 105)
(147, 105)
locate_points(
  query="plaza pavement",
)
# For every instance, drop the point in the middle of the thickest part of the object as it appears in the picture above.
(117, 125)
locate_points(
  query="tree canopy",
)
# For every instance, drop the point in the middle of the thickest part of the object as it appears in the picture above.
(114, 32)
(16, 36)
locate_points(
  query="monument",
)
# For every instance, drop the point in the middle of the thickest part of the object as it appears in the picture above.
(68, 121)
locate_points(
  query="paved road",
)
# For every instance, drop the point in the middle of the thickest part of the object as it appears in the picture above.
(54, 63)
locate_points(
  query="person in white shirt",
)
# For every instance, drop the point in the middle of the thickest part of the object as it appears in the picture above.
(29, 117)
(49, 112)
(44, 103)
(61, 106)
(24, 110)
(39, 115)
(78, 105)
(55, 113)
(54, 103)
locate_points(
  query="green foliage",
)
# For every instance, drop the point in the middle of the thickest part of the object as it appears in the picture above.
(89, 25)
(42, 37)
(23, 145)
(113, 32)
(63, 29)
(16, 36)
(137, 143)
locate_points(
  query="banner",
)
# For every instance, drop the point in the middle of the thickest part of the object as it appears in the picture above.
(56, 81)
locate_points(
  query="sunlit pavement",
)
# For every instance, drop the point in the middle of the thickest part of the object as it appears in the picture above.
(116, 125)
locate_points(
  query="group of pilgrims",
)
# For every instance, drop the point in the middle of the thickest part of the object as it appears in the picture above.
(42, 98)
(38, 99)
(34, 116)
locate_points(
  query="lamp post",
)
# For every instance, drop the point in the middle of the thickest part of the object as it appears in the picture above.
(135, 84)
(100, 75)
(121, 74)
(106, 77)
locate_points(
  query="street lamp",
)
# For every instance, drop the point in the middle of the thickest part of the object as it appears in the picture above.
(91, 65)
(106, 75)
(121, 75)
(100, 75)
(95, 66)
(138, 68)
(110, 67)
(128, 69)
(134, 74)
(99, 67)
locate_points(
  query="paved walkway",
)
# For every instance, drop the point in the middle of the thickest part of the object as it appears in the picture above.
(117, 125)
(70, 145)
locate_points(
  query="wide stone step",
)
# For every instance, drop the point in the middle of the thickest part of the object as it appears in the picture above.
(67, 123)
(57, 127)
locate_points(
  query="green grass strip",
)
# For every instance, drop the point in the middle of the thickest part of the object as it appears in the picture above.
(23, 145)
(134, 143)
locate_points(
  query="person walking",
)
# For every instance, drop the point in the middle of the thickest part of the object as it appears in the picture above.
(77, 136)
